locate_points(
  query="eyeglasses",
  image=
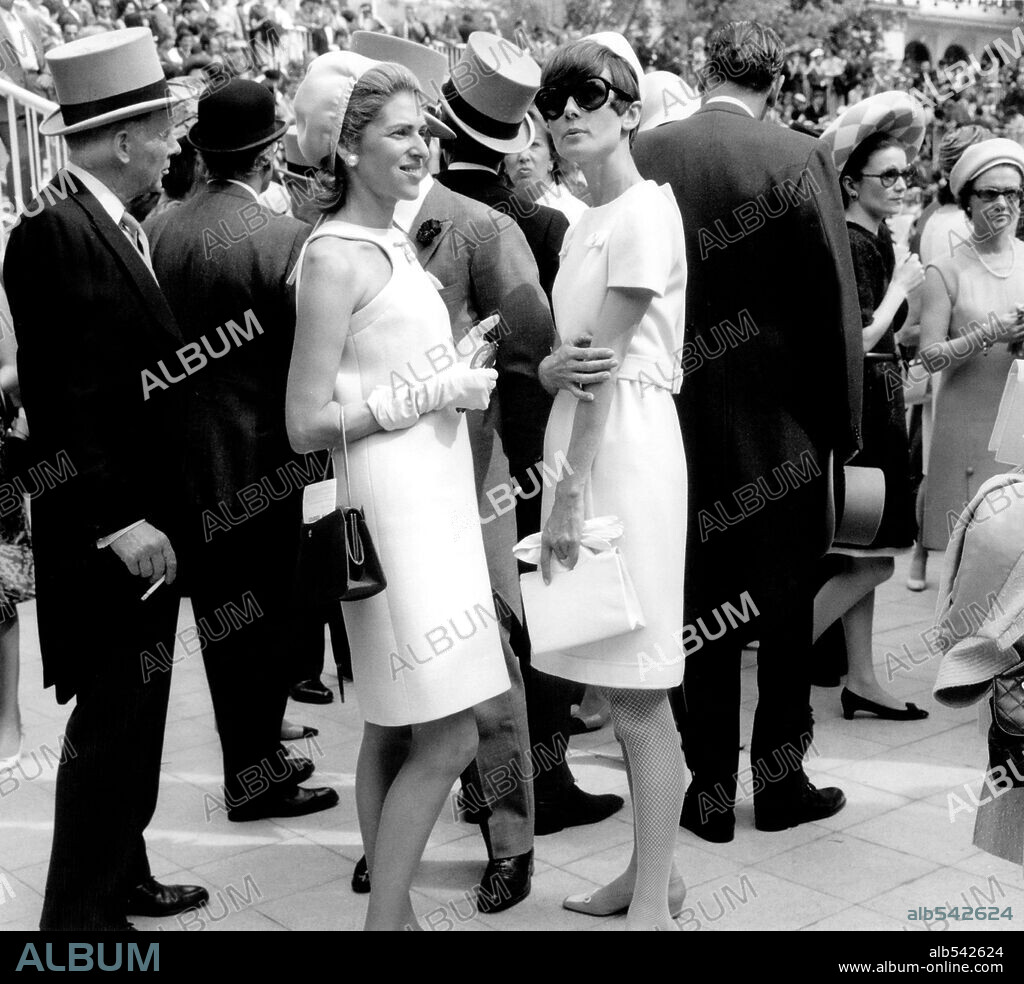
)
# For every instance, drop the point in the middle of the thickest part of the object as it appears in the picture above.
(891, 175)
(989, 195)
(590, 94)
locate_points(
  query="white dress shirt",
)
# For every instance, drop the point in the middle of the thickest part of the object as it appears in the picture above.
(733, 100)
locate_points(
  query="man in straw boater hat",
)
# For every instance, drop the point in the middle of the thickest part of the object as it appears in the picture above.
(483, 261)
(91, 320)
(223, 259)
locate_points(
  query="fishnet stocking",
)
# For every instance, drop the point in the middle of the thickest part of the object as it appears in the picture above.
(654, 767)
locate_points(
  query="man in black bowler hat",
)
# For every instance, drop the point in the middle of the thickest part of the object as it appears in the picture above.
(223, 260)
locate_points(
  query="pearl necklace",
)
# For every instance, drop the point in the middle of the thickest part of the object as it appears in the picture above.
(999, 276)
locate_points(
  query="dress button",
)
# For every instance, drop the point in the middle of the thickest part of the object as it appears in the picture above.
(970, 472)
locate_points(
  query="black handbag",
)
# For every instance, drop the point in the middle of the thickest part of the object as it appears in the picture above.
(1008, 701)
(337, 558)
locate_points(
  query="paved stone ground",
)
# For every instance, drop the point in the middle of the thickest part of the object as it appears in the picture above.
(891, 849)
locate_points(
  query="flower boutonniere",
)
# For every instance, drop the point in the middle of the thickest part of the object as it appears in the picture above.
(428, 232)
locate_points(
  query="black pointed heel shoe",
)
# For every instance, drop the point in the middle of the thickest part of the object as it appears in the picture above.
(854, 702)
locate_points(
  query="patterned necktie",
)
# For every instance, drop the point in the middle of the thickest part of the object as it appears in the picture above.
(137, 238)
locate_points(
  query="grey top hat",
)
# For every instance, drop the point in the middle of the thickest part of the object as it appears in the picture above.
(105, 78)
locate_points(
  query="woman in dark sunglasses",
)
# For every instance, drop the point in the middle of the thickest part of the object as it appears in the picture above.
(621, 285)
(873, 179)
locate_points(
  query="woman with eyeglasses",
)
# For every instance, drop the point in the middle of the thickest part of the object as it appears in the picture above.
(971, 329)
(887, 131)
(621, 283)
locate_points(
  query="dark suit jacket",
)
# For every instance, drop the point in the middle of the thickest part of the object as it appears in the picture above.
(483, 276)
(544, 227)
(89, 319)
(760, 204)
(218, 256)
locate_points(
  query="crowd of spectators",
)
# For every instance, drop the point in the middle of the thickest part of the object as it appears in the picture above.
(274, 40)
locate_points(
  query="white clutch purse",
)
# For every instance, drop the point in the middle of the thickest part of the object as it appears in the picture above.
(595, 600)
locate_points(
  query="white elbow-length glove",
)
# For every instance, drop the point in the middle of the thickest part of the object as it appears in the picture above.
(458, 386)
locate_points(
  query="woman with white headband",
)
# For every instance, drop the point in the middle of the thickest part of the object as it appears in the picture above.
(622, 283)
(374, 369)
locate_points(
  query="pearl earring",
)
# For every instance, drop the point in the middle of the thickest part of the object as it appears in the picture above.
(352, 160)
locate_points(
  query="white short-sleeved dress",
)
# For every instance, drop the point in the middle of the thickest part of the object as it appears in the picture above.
(639, 472)
(428, 645)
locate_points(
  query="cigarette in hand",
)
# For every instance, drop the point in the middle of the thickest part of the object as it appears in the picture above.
(156, 584)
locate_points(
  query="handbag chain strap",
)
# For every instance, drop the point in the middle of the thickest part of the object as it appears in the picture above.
(344, 452)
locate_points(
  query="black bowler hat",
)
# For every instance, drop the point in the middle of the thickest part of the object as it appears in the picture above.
(239, 116)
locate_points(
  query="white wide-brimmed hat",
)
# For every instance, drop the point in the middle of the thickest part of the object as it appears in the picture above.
(980, 609)
(105, 78)
(896, 113)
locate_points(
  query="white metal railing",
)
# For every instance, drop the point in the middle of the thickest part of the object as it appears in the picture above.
(452, 50)
(294, 44)
(32, 155)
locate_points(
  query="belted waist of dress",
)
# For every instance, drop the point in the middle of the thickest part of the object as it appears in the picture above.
(664, 373)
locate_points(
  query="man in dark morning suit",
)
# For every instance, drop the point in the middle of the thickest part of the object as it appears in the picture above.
(484, 266)
(771, 393)
(223, 260)
(90, 320)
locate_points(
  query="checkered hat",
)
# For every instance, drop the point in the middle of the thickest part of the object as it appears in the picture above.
(896, 113)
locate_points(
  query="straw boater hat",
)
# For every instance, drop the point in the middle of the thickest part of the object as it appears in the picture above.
(896, 113)
(981, 156)
(106, 78)
(980, 608)
(490, 93)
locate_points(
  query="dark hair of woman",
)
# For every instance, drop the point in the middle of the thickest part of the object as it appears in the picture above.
(584, 59)
(857, 161)
(580, 60)
(369, 96)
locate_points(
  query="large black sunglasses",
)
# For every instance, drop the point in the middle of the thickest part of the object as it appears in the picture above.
(589, 94)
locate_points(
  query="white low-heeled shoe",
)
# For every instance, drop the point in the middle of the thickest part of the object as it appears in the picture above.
(584, 903)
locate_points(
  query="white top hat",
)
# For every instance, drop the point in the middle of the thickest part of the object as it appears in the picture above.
(105, 78)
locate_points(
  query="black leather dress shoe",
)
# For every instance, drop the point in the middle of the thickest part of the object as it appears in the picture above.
(574, 809)
(153, 899)
(361, 877)
(809, 805)
(505, 883)
(300, 803)
(302, 767)
(311, 692)
(717, 827)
